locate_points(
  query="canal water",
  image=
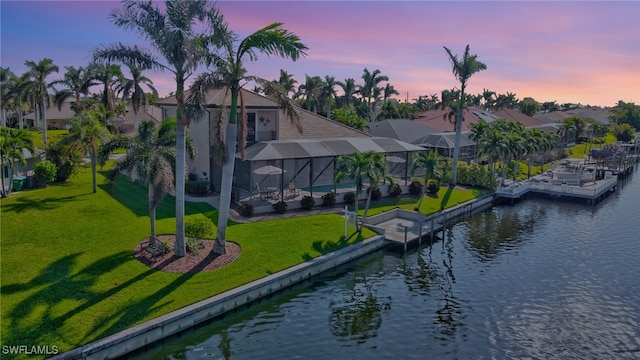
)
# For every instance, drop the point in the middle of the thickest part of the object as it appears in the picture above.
(539, 280)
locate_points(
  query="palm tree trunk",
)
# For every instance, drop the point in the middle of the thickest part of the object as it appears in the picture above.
(135, 120)
(43, 119)
(456, 148)
(3, 117)
(226, 184)
(20, 119)
(152, 211)
(355, 208)
(366, 207)
(180, 248)
(94, 172)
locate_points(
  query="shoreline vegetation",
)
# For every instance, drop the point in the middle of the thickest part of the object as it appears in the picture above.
(68, 272)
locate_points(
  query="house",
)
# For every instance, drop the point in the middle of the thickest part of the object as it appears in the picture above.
(439, 119)
(515, 115)
(57, 118)
(277, 153)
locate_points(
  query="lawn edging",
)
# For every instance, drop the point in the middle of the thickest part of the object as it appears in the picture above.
(164, 326)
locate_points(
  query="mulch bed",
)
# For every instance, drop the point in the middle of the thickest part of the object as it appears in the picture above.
(203, 260)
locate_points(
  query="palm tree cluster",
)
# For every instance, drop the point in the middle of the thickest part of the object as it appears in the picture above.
(508, 142)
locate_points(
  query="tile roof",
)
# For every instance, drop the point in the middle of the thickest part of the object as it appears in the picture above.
(436, 119)
(512, 114)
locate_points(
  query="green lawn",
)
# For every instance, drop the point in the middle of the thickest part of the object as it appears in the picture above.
(52, 136)
(580, 150)
(431, 203)
(68, 276)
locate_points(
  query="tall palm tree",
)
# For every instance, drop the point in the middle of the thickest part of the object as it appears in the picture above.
(370, 91)
(229, 73)
(310, 92)
(38, 87)
(349, 89)
(7, 78)
(362, 167)
(133, 92)
(111, 78)
(287, 81)
(12, 143)
(428, 161)
(389, 91)
(328, 94)
(77, 83)
(172, 33)
(85, 135)
(463, 69)
(150, 156)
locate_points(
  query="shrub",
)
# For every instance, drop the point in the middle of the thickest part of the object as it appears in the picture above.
(395, 190)
(280, 207)
(246, 210)
(198, 227)
(376, 194)
(415, 188)
(167, 246)
(307, 202)
(196, 187)
(349, 197)
(329, 199)
(45, 172)
(432, 186)
(193, 245)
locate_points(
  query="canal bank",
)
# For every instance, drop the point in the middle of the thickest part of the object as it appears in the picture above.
(168, 325)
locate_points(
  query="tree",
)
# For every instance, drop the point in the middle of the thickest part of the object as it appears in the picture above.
(626, 113)
(229, 73)
(12, 144)
(360, 167)
(349, 117)
(463, 69)
(6, 79)
(623, 132)
(328, 95)
(171, 32)
(150, 157)
(111, 78)
(429, 162)
(370, 91)
(349, 89)
(310, 92)
(77, 83)
(133, 92)
(287, 82)
(85, 135)
(37, 87)
(14, 95)
(529, 106)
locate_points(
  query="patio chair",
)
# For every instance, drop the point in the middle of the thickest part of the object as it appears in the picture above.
(292, 190)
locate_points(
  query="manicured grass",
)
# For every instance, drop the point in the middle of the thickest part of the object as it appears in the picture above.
(578, 151)
(52, 136)
(444, 199)
(68, 276)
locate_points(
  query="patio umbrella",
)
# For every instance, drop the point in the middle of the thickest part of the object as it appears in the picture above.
(269, 170)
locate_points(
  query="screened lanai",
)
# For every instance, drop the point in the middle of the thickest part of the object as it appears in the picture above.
(278, 168)
(444, 144)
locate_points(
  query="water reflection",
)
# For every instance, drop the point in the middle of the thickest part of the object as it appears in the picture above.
(493, 232)
(359, 316)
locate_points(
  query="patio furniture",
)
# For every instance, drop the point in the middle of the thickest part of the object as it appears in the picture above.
(292, 190)
(266, 193)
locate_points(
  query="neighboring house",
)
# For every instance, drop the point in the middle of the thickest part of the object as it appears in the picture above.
(424, 136)
(438, 119)
(516, 115)
(58, 118)
(598, 114)
(306, 158)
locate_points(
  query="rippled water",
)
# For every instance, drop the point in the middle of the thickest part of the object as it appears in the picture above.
(539, 280)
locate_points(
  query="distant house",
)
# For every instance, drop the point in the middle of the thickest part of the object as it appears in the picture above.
(306, 158)
(438, 119)
(598, 114)
(515, 115)
(57, 118)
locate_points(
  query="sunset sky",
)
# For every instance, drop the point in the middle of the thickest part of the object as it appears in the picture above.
(577, 51)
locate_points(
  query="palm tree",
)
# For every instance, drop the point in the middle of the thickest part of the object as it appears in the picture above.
(6, 81)
(463, 70)
(328, 94)
(172, 33)
(111, 78)
(12, 144)
(77, 83)
(349, 88)
(370, 91)
(360, 167)
(310, 92)
(287, 82)
(389, 91)
(85, 135)
(37, 87)
(133, 92)
(150, 157)
(429, 162)
(230, 73)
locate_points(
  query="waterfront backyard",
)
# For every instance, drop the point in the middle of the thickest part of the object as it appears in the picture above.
(68, 272)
